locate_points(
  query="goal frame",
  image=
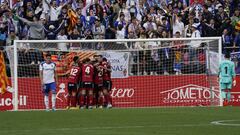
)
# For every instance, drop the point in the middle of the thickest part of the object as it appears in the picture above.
(16, 42)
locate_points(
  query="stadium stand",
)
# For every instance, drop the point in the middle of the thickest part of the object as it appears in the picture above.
(117, 19)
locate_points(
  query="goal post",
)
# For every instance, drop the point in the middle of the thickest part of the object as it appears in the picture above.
(146, 72)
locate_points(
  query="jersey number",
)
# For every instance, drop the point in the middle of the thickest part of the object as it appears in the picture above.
(100, 73)
(74, 72)
(87, 70)
(226, 69)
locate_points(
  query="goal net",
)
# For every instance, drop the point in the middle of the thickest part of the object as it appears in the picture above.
(145, 72)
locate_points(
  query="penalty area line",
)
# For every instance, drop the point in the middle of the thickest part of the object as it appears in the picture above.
(223, 123)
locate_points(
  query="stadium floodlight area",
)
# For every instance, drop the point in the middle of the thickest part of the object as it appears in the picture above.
(145, 72)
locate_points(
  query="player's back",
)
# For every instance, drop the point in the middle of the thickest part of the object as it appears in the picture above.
(98, 76)
(87, 73)
(74, 75)
(106, 73)
(227, 71)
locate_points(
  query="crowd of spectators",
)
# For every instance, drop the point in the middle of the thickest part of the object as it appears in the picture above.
(120, 19)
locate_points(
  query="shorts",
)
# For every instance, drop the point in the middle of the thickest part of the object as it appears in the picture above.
(49, 87)
(107, 85)
(98, 87)
(225, 86)
(72, 87)
(87, 85)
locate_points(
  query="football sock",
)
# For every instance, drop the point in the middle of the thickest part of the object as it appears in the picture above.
(54, 101)
(223, 94)
(228, 96)
(90, 100)
(100, 101)
(81, 102)
(107, 99)
(68, 100)
(46, 102)
(73, 101)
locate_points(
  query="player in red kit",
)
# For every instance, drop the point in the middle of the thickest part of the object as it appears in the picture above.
(73, 81)
(87, 84)
(107, 83)
(98, 81)
(95, 94)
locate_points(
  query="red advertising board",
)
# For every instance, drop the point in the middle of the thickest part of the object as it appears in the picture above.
(137, 91)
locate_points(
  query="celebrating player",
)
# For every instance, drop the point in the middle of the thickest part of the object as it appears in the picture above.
(87, 84)
(98, 81)
(73, 80)
(227, 78)
(48, 78)
(107, 83)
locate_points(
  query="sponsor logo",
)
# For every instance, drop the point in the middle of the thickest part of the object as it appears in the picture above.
(61, 91)
(122, 92)
(235, 97)
(191, 94)
(8, 101)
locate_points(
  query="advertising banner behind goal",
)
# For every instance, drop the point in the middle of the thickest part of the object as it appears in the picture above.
(119, 62)
(135, 93)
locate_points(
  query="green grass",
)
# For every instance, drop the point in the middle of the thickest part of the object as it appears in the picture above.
(147, 121)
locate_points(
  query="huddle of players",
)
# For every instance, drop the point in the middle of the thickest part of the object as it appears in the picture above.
(89, 83)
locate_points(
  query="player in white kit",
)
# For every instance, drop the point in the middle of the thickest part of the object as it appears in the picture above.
(48, 78)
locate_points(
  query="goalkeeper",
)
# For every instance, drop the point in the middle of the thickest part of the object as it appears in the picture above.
(226, 78)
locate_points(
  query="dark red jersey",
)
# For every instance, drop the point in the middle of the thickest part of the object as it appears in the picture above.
(87, 72)
(98, 76)
(74, 76)
(106, 73)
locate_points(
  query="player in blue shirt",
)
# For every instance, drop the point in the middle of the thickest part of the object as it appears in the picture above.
(227, 78)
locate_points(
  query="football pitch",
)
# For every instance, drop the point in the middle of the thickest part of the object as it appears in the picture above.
(141, 121)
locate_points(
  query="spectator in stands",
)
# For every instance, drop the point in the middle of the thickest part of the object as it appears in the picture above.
(209, 30)
(3, 34)
(226, 41)
(150, 25)
(121, 19)
(236, 42)
(166, 56)
(206, 15)
(54, 10)
(11, 37)
(178, 53)
(188, 28)
(236, 17)
(36, 28)
(51, 31)
(194, 47)
(62, 36)
(178, 25)
(98, 29)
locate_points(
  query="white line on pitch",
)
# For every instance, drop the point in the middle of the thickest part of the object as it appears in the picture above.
(101, 128)
(223, 123)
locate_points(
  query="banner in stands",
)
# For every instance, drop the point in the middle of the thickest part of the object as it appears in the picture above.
(137, 91)
(4, 82)
(119, 62)
(235, 56)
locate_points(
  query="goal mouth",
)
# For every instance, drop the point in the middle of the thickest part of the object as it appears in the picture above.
(145, 72)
